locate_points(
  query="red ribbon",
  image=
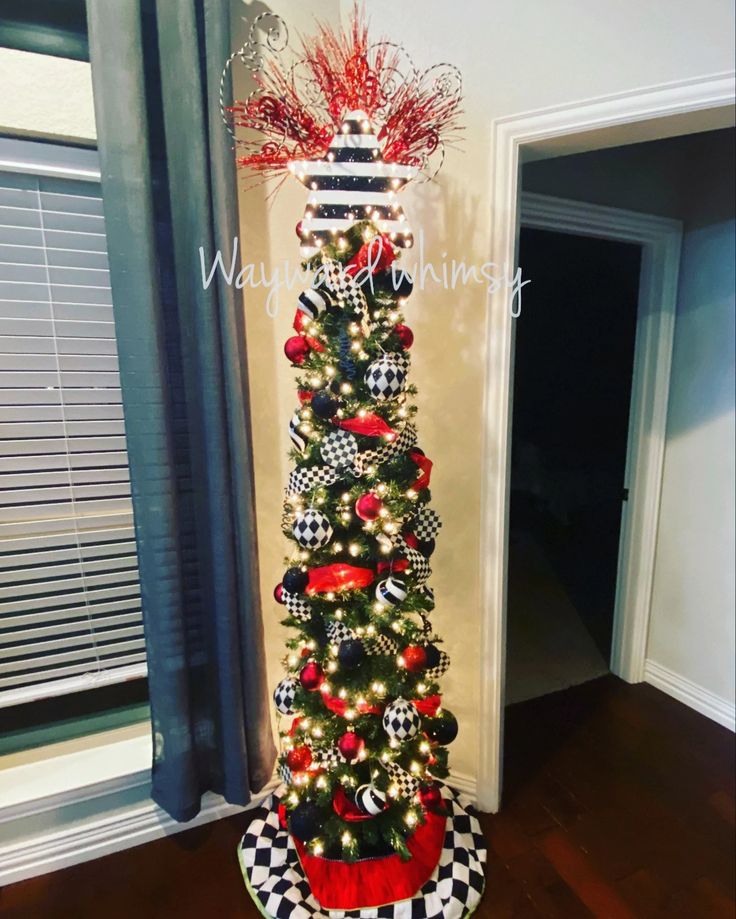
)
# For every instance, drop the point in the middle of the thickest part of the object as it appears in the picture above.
(346, 808)
(400, 564)
(373, 256)
(339, 706)
(369, 424)
(425, 465)
(429, 706)
(339, 576)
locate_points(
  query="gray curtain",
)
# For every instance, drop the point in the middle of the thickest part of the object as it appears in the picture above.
(169, 187)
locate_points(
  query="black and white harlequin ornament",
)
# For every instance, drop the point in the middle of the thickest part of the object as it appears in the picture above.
(313, 302)
(339, 449)
(370, 800)
(312, 529)
(401, 720)
(352, 183)
(391, 591)
(385, 378)
(285, 694)
(297, 606)
(297, 438)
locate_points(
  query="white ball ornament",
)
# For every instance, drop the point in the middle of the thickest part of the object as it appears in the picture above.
(370, 800)
(312, 529)
(391, 591)
(285, 694)
(386, 378)
(401, 720)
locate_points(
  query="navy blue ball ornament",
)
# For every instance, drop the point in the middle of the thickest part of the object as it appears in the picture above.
(295, 581)
(306, 821)
(433, 656)
(324, 405)
(350, 653)
(442, 729)
(426, 547)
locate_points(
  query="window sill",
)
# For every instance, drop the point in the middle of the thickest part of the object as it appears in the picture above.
(76, 770)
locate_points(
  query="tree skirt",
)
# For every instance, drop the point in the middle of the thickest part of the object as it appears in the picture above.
(276, 880)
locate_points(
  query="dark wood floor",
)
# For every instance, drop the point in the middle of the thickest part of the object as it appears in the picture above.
(619, 802)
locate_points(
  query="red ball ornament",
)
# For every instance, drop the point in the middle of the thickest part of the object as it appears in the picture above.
(278, 593)
(351, 746)
(368, 506)
(296, 349)
(415, 658)
(299, 758)
(300, 229)
(406, 336)
(312, 676)
(430, 796)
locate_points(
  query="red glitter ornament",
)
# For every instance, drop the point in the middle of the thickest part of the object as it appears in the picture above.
(406, 336)
(296, 349)
(299, 759)
(312, 676)
(278, 593)
(368, 506)
(415, 658)
(430, 796)
(351, 746)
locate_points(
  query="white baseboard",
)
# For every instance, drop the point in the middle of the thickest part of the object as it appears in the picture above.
(90, 839)
(466, 784)
(690, 694)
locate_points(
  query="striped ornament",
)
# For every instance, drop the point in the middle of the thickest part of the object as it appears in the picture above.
(370, 799)
(352, 183)
(313, 302)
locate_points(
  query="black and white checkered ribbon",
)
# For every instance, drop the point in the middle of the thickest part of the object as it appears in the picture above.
(297, 606)
(380, 644)
(337, 631)
(426, 523)
(305, 479)
(435, 673)
(407, 784)
(347, 291)
(418, 564)
(285, 773)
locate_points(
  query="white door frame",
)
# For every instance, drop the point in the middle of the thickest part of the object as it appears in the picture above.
(660, 240)
(588, 125)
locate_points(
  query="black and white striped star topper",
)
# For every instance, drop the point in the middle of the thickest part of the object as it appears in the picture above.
(352, 183)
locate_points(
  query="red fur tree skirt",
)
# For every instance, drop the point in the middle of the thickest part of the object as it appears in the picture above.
(375, 881)
(444, 880)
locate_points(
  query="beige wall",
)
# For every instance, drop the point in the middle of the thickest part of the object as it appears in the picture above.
(47, 95)
(515, 55)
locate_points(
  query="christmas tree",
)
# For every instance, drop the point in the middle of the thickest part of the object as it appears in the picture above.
(363, 731)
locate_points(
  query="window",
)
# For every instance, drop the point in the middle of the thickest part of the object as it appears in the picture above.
(70, 609)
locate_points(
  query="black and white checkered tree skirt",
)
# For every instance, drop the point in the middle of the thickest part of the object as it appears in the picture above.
(276, 881)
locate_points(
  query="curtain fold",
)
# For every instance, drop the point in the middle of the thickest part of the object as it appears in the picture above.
(169, 188)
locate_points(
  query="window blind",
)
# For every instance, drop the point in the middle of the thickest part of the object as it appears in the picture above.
(70, 610)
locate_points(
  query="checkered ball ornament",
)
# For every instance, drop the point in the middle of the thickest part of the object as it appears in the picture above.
(284, 695)
(312, 529)
(401, 720)
(385, 378)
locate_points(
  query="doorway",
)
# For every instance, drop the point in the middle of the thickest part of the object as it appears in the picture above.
(573, 366)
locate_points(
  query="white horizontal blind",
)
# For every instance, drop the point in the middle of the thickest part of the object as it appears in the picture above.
(70, 610)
